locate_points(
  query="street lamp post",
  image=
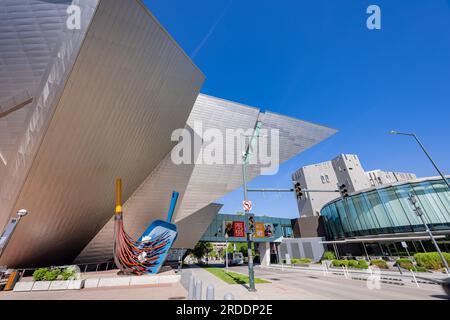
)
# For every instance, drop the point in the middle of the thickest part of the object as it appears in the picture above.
(425, 151)
(9, 229)
(418, 210)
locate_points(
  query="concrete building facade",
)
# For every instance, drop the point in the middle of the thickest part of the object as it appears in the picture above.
(329, 175)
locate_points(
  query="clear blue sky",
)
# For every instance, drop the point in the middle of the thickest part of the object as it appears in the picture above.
(316, 60)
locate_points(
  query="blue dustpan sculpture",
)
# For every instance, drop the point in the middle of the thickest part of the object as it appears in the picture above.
(148, 253)
(161, 230)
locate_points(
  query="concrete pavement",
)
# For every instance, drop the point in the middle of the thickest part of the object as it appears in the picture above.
(285, 285)
(300, 285)
(149, 292)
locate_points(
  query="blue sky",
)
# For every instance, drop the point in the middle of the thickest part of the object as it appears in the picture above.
(316, 60)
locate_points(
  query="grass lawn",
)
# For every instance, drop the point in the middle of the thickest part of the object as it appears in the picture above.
(232, 277)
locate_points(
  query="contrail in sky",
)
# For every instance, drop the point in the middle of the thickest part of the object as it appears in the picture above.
(210, 32)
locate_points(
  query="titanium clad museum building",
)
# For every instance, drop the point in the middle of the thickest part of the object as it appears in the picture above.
(80, 107)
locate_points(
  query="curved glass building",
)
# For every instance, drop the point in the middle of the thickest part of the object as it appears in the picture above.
(386, 210)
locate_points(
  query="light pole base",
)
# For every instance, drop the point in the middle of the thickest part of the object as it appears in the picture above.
(252, 290)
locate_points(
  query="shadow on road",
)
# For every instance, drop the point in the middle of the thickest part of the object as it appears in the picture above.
(441, 296)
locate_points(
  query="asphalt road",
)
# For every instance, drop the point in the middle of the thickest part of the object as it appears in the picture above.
(334, 287)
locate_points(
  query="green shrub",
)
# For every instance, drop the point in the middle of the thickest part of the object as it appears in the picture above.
(301, 261)
(380, 264)
(362, 264)
(352, 264)
(67, 274)
(39, 274)
(47, 274)
(431, 260)
(405, 264)
(339, 263)
(419, 269)
(52, 275)
(328, 255)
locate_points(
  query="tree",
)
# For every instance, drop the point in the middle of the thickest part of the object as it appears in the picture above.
(242, 247)
(202, 249)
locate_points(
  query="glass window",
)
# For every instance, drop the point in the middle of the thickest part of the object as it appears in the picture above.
(364, 212)
(356, 218)
(379, 211)
(402, 193)
(443, 193)
(287, 232)
(346, 226)
(431, 205)
(394, 208)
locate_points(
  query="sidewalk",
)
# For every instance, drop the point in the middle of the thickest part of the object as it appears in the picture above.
(157, 291)
(265, 291)
(150, 292)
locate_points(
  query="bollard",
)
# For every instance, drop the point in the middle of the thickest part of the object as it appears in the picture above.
(191, 289)
(324, 269)
(348, 273)
(198, 290)
(210, 292)
(228, 296)
(345, 273)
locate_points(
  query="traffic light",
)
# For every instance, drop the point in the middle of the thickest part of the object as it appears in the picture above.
(298, 190)
(343, 191)
(251, 226)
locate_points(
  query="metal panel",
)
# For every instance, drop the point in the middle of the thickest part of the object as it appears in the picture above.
(307, 248)
(149, 202)
(37, 52)
(195, 225)
(130, 87)
(210, 182)
(204, 183)
(295, 249)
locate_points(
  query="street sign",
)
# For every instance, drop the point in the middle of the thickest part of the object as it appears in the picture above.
(247, 205)
(404, 245)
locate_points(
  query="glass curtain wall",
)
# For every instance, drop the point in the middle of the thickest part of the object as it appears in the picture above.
(387, 210)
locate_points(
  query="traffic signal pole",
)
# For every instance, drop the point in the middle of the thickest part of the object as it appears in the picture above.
(299, 192)
(251, 273)
(245, 161)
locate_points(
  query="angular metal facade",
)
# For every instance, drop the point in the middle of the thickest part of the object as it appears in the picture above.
(195, 225)
(106, 100)
(112, 94)
(203, 183)
(37, 53)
